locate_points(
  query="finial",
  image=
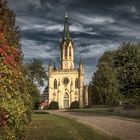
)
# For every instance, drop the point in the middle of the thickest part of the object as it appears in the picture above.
(66, 15)
(80, 60)
(50, 63)
(54, 67)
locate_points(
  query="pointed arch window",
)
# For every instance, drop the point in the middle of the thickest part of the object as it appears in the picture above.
(55, 84)
(76, 83)
(65, 51)
(69, 51)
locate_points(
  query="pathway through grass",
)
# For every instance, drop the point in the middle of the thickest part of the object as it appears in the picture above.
(116, 111)
(53, 127)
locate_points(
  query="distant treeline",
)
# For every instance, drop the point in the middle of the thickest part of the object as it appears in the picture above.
(117, 78)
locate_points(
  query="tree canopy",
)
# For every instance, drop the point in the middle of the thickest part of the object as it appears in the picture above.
(36, 72)
(117, 76)
(14, 99)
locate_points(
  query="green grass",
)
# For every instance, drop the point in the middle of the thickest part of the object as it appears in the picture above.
(106, 111)
(53, 127)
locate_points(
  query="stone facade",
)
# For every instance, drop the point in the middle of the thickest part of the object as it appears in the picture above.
(66, 84)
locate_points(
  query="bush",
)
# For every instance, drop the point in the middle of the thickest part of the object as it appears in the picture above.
(40, 112)
(15, 102)
(111, 110)
(87, 106)
(128, 105)
(53, 105)
(74, 105)
(36, 105)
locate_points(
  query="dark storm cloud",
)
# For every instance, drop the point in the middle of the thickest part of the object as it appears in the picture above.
(96, 26)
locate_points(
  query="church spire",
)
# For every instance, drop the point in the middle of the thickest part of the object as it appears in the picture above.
(66, 31)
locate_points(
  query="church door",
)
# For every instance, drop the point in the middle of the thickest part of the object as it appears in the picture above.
(66, 101)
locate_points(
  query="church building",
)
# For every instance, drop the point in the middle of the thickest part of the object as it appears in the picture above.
(66, 83)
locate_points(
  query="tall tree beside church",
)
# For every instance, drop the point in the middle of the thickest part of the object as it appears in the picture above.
(123, 65)
(127, 62)
(36, 72)
(36, 76)
(93, 97)
(14, 99)
(104, 83)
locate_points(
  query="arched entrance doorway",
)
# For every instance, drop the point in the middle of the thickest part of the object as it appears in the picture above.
(66, 100)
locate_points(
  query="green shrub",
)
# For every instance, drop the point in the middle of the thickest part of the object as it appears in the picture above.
(74, 105)
(36, 105)
(87, 106)
(111, 110)
(53, 105)
(128, 105)
(40, 112)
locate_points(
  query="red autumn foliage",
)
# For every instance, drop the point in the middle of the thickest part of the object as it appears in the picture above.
(10, 55)
(3, 117)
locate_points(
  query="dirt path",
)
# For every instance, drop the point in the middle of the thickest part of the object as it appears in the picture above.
(124, 129)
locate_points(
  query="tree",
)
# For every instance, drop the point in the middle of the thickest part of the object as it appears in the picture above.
(92, 96)
(117, 76)
(105, 85)
(33, 92)
(36, 72)
(14, 99)
(103, 88)
(127, 64)
(45, 92)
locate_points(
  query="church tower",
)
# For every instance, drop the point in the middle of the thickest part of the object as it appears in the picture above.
(66, 48)
(66, 83)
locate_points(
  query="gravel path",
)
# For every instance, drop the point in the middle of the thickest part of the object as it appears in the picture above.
(121, 128)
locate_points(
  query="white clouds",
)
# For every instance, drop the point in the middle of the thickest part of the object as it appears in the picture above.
(28, 23)
(32, 49)
(92, 19)
(126, 8)
(124, 29)
(81, 29)
(95, 29)
(23, 4)
(50, 26)
(56, 5)
(133, 9)
(96, 50)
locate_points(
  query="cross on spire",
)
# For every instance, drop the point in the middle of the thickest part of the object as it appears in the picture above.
(66, 15)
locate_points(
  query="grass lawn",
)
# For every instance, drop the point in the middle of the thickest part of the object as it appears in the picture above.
(116, 111)
(53, 127)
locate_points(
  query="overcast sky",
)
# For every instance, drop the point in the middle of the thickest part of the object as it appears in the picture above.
(96, 26)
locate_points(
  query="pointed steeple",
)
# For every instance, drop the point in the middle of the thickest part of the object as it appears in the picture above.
(81, 61)
(54, 67)
(66, 31)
